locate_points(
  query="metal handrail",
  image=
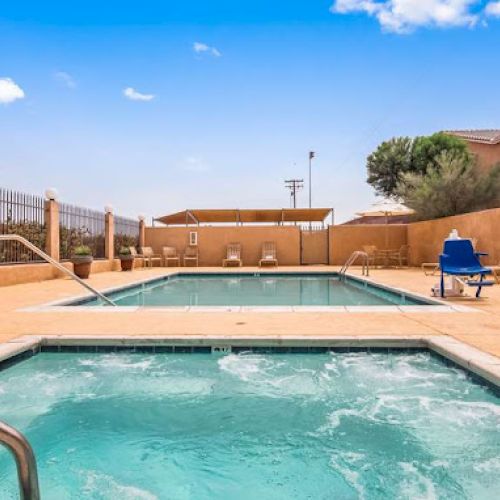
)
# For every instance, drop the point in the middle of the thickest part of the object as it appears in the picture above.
(23, 454)
(50, 260)
(352, 258)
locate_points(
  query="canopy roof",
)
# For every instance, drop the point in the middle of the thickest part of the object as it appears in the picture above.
(272, 215)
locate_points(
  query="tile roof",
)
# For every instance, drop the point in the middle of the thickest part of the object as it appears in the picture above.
(486, 136)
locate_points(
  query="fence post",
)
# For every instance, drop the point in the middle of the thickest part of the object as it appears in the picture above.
(52, 224)
(142, 231)
(109, 233)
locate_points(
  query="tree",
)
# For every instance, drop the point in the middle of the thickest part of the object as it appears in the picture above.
(392, 159)
(427, 149)
(453, 186)
(388, 163)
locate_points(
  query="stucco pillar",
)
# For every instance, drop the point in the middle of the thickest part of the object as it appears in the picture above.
(109, 234)
(52, 228)
(142, 231)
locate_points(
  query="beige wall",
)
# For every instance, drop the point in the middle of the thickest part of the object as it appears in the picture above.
(487, 154)
(426, 238)
(212, 242)
(347, 239)
(29, 273)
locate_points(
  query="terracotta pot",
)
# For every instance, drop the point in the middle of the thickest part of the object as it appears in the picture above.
(82, 265)
(127, 262)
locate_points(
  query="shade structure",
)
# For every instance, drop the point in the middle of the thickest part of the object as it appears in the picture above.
(386, 208)
(237, 216)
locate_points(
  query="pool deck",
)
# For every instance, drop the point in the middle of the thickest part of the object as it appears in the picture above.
(479, 328)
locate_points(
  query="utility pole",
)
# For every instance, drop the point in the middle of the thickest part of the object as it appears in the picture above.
(294, 185)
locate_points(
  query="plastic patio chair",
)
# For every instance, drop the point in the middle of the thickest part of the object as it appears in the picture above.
(191, 255)
(170, 255)
(460, 259)
(268, 254)
(233, 255)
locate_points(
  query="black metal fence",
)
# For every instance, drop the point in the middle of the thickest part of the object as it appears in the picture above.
(21, 214)
(126, 233)
(81, 226)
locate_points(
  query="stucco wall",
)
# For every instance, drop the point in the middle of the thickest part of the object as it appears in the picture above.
(347, 239)
(487, 154)
(212, 242)
(426, 238)
(29, 273)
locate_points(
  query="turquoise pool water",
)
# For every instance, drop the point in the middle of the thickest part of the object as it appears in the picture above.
(252, 426)
(260, 290)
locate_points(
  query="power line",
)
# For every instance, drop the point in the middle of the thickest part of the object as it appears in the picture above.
(294, 185)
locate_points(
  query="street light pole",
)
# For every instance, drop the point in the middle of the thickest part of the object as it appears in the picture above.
(311, 156)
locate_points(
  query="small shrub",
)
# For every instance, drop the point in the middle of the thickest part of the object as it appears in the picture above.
(124, 251)
(82, 250)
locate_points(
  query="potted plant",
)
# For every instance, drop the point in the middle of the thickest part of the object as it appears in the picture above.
(82, 261)
(126, 259)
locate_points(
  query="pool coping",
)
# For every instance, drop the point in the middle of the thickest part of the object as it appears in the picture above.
(434, 304)
(484, 365)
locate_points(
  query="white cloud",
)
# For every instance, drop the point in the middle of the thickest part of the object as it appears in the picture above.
(134, 95)
(493, 9)
(194, 164)
(65, 78)
(404, 16)
(200, 48)
(10, 91)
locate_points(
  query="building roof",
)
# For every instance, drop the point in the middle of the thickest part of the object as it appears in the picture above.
(486, 136)
(273, 215)
(391, 219)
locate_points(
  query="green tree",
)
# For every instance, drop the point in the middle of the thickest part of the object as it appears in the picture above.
(427, 149)
(388, 163)
(453, 186)
(392, 159)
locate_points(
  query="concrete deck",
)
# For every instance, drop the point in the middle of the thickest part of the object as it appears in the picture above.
(480, 329)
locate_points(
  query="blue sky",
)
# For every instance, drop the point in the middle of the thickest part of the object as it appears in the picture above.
(160, 106)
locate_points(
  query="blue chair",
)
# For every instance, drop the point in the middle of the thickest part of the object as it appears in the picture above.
(460, 259)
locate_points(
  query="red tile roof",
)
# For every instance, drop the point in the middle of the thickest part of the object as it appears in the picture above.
(486, 136)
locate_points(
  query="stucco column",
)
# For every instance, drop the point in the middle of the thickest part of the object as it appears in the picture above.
(52, 228)
(109, 234)
(142, 231)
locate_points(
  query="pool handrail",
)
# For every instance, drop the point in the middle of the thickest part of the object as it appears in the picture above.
(50, 260)
(23, 454)
(352, 258)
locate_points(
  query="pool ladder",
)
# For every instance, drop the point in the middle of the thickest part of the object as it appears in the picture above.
(57, 265)
(23, 454)
(352, 258)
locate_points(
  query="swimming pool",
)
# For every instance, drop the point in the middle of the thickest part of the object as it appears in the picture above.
(252, 425)
(249, 289)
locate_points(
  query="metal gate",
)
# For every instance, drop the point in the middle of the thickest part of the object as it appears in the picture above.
(314, 246)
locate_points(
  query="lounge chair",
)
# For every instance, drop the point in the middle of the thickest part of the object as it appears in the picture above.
(430, 268)
(150, 257)
(268, 254)
(495, 270)
(400, 257)
(170, 255)
(191, 255)
(233, 255)
(460, 259)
